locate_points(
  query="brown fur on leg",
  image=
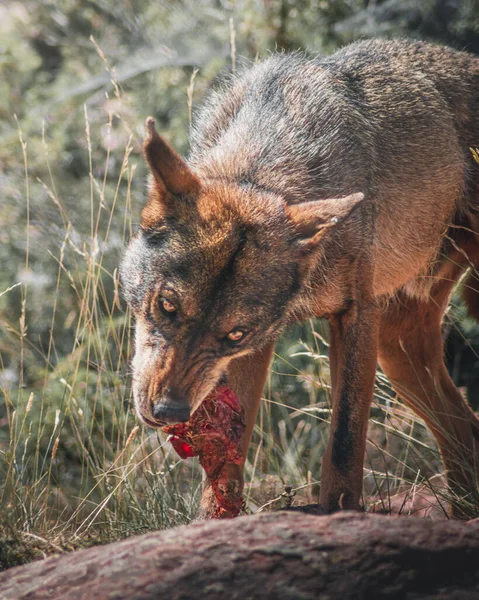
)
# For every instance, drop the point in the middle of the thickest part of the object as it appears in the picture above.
(353, 355)
(411, 355)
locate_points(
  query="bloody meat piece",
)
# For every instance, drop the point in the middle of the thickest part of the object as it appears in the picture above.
(214, 434)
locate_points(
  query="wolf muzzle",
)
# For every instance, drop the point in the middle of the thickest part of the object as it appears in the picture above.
(172, 408)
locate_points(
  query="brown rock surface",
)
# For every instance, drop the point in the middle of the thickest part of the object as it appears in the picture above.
(278, 555)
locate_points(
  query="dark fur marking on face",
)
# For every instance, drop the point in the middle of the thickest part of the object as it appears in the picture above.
(227, 272)
(154, 236)
(163, 230)
(181, 267)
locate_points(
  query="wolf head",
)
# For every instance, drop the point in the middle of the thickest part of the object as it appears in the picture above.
(214, 273)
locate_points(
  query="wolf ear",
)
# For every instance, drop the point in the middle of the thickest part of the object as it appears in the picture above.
(313, 219)
(171, 175)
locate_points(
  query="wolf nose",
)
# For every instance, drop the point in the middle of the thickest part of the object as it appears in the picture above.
(171, 414)
(171, 410)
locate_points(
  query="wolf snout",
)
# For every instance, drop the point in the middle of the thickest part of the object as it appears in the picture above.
(171, 409)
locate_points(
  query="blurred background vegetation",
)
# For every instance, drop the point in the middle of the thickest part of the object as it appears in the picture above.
(78, 78)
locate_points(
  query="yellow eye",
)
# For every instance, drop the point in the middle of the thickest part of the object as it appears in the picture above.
(236, 335)
(167, 306)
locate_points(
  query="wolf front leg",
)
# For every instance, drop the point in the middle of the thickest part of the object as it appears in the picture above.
(246, 377)
(353, 357)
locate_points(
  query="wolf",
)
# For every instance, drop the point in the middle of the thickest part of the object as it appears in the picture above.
(342, 187)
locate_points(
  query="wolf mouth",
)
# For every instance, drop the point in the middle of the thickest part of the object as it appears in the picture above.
(151, 423)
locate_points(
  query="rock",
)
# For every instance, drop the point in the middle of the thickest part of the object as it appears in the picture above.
(277, 555)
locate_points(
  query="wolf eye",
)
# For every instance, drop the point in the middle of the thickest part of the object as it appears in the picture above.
(167, 307)
(235, 336)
